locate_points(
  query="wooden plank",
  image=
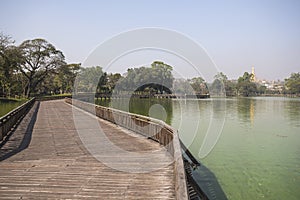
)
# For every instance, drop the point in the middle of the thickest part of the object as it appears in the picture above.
(55, 164)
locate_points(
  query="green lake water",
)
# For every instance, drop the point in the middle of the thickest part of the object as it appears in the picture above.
(256, 141)
(8, 105)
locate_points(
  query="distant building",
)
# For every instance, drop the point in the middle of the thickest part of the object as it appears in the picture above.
(272, 86)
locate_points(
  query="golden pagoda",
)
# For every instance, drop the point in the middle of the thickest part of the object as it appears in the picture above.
(252, 78)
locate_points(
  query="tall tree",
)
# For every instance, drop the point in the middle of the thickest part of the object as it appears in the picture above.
(221, 85)
(155, 79)
(65, 77)
(39, 59)
(90, 79)
(230, 88)
(221, 76)
(112, 80)
(9, 59)
(162, 76)
(218, 86)
(293, 83)
(199, 85)
(183, 87)
(245, 86)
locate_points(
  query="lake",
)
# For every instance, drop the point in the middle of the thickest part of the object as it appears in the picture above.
(8, 105)
(252, 145)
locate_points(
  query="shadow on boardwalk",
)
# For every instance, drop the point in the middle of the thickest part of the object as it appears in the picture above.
(19, 138)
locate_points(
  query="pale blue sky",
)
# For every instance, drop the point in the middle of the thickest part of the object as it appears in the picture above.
(236, 34)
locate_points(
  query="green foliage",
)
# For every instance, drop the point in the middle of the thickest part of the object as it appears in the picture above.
(65, 77)
(245, 86)
(221, 76)
(155, 79)
(221, 86)
(199, 86)
(217, 88)
(293, 83)
(40, 58)
(183, 87)
(262, 89)
(245, 78)
(9, 59)
(112, 81)
(230, 88)
(90, 79)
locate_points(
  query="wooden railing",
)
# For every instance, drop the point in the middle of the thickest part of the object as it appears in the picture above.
(8, 121)
(150, 128)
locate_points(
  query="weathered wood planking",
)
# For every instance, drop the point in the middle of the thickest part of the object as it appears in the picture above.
(50, 161)
(149, 127)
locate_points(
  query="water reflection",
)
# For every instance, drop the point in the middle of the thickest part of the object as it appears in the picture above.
(216, 123)
(188, 118)
(292, 111)
(200, 123)
(246, 109)
(149, 107)
(156, 108)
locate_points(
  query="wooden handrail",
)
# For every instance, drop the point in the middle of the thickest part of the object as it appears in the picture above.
(8, 121)
(149, 127)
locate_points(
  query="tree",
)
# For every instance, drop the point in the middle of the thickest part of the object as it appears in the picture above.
(199, 86)
(293, 83)
(40, 58)
(9, 59)
(162, 76)
(218, 86)
(155, 79)
(90, 79)
(245, 86)
(262, 89)
(183, 87)
(222, 86)
(65, 77)
(231, 88)
(221, 76)
(112, 80)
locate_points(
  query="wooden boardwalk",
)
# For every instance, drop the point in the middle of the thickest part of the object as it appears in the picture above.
(45, 158)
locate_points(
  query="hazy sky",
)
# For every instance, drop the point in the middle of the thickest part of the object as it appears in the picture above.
(236, 34)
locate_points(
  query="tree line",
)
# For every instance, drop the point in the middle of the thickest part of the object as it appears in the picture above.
(245, 86)
(36, 67)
